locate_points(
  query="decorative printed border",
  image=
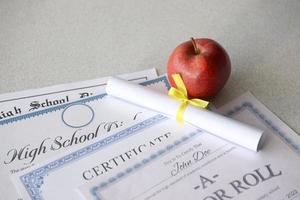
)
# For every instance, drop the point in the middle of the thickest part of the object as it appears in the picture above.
(245, 105)
(34, 180)
(283, 136)
(144, 162)
(82, 101)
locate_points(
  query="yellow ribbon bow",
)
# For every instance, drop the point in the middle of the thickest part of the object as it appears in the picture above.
(180, 93)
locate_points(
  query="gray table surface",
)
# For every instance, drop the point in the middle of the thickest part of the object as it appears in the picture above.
(50, 42)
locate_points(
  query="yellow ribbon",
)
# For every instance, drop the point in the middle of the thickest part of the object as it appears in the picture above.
(180, 93)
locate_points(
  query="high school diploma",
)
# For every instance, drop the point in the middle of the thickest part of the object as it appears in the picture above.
(36, 136)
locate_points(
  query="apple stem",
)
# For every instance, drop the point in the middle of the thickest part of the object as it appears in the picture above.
(196, 49)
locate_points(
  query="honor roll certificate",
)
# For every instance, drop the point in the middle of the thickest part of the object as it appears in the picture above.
(203, 167)
(31, 138)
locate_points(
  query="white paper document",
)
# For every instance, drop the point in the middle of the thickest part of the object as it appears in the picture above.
(31, 138)
(227, 128)
(28, 101)
(99, 154)
(205, 167)
(59, 178)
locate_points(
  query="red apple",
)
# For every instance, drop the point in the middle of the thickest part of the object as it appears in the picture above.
(203, 64)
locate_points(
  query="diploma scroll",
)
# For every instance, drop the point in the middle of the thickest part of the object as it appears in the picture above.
(221, 126)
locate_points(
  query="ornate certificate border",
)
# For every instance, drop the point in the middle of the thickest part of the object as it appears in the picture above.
(271, 125)
(33, 180)
(82, 101)
(243, 106)
(144, 162)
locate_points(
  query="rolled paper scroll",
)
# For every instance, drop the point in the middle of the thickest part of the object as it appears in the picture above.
(216, 124)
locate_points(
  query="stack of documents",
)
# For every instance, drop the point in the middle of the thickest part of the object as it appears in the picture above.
(75, 142)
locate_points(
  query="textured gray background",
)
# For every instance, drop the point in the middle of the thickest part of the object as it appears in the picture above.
(59, 41)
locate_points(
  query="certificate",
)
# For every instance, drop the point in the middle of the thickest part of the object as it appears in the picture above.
(31, 138)
(59, 177)
(28, 101)
(208, 168)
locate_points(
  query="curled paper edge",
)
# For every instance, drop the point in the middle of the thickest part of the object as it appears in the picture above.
(224, 127)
